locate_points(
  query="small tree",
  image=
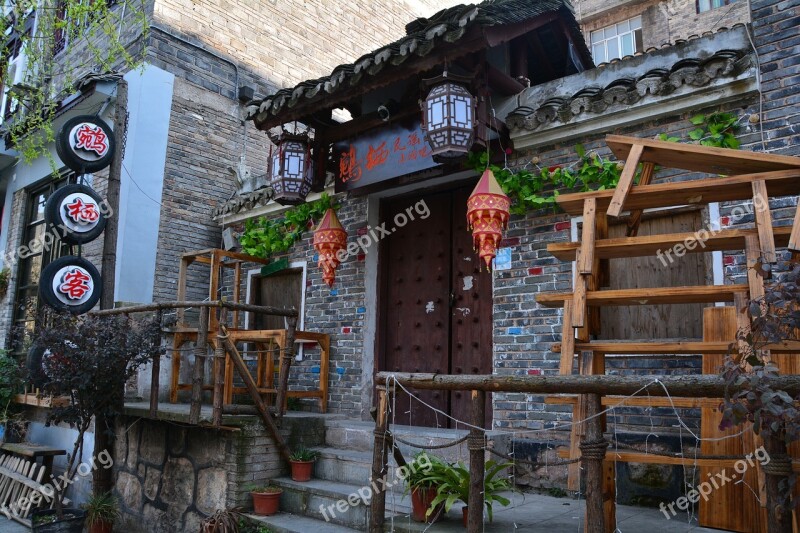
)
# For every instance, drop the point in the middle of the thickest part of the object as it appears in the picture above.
(773, 413)
(90, 359)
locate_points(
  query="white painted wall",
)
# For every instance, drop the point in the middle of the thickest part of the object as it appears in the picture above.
(149, 103)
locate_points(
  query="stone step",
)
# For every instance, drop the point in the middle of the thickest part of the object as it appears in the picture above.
(344, 504)
(343, 465)
(295, 523)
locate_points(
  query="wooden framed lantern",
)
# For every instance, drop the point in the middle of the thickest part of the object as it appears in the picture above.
(291, 173)
(448, 117)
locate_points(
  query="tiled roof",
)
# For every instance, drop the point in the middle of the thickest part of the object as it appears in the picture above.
(422, 37)
(658, 73)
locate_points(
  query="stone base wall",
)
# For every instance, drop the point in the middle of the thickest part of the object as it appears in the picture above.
(170, 476)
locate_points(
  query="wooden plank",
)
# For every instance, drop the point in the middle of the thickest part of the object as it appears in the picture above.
(567, 340)
(579, 301)
(648, 169)
(649, 296)
(676, 347)
(764, 221)
(586, 257)
(794, 240)
(692, 192)
(645, 458)
(732, 506)
(708, 159)
(754, 279)
(640, 401)
(647, 245)
(625, 180)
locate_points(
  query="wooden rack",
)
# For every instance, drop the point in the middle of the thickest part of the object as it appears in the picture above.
(749, 176)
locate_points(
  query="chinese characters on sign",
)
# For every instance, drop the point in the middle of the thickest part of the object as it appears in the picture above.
(388, 153)
(76, 283)
(92, 139)
(82, 212)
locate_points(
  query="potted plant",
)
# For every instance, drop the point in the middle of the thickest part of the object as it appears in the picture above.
(102, 511)
(302, 461)
(89, 360)
(454, 487)
(266, 499)
(423, 484)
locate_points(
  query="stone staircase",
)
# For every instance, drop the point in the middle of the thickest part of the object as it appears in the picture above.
(343, 472)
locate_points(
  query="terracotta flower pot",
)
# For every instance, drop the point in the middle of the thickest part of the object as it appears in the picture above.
(301, 470)
(101, 526)
(464, 515)
(421, 499)
(266, 503)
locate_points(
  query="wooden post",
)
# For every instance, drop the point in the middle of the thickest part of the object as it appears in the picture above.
(477, 468)
(593, 451)
(380, 464)
(200, 350)
(155, 376)
(219, 369)
(778, 471)
(287, 354)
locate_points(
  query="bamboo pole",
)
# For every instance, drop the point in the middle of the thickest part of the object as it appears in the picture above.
(219, 370)
(691, 386)
(477, 463)
(380, 465)
(263, 309)
(201, 348)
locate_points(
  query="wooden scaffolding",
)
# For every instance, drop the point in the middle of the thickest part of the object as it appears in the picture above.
(745, 176)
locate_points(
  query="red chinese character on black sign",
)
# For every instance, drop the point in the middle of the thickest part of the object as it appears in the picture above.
(82, 213)
(91, 138)
(75, 284)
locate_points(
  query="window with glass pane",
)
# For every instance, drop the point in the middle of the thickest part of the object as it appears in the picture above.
(26, 303)
(708, 5)
(616, 41)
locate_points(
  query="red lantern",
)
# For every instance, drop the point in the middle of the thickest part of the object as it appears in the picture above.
(487, 216)
(329, 240)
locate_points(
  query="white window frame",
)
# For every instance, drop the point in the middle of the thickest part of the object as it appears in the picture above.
(708, 5)
(609, 40)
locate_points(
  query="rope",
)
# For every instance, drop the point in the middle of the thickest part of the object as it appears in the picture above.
(779, 464)
(595, 449)
(431, 446)
(476, 442)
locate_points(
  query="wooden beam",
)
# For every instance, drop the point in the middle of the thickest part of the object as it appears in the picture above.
(502, 83)
(636, 216)
(198, 370)
(648, 296)
(646, 458)
(477, 461)
(579, 301)
(640, 401)
(646, 245)
(677, 347)
(692, 386)
(764, 221)
(794, 240)
(263, 309)
(625, 181)
(588, 235)
(708, 159)
(567, 340)
(695, 192)
(592, 462)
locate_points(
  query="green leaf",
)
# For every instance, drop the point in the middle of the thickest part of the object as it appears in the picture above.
(697, 119)
(697, 134)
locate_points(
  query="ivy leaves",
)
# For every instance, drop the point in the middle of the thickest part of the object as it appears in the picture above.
(264, 237)
(716, 129)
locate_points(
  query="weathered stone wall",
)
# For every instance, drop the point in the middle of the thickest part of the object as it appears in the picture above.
(170, 476)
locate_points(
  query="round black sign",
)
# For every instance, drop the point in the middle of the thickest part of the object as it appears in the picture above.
(77, 212)
(70, 284)
(85, 144)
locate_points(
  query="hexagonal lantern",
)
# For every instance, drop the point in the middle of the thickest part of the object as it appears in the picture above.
(448, 116)
(290, 169)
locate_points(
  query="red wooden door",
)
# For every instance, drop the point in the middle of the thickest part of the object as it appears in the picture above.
(435, 305)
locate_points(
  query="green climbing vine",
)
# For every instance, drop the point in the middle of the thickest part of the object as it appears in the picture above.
(50, 45)
(263, 237)
(536, 187)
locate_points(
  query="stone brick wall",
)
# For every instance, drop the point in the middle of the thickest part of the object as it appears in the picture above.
(171, 476)
(663, 21)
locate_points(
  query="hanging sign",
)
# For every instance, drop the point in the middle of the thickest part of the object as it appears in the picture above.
(70, 284)
(78, 212)
(380, 155)
(85, 144)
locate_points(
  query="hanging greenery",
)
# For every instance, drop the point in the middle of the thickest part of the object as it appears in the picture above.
(41, 62)
(263, 237)
(536, 187)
